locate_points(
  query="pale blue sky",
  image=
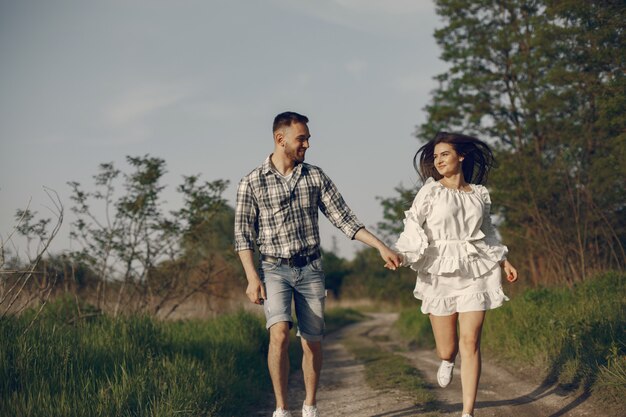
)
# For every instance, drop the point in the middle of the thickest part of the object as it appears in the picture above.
(198, 84)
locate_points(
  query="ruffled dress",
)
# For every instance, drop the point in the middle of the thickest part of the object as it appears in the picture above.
(449, 240)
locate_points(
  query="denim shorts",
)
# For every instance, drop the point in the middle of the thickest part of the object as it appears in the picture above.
(306, 286)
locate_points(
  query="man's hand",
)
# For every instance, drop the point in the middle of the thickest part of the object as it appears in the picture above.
(256, 290)
(392, 259)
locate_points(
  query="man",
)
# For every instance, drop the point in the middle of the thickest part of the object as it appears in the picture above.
(277, 205)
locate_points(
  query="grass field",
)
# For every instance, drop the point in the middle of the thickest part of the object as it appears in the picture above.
(572, 336)
(137, 366)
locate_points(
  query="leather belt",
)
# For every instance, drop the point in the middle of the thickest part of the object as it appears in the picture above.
(294, 261)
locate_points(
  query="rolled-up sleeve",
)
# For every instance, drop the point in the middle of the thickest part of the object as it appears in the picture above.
(246, 217)
(336, 210)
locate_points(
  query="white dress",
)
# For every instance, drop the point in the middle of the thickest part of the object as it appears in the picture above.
(449, 240)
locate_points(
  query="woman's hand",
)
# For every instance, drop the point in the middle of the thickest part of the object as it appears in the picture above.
(509, 271)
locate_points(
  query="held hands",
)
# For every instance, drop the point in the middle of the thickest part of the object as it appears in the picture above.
(392, 259)
(256, 290)
(509, 271)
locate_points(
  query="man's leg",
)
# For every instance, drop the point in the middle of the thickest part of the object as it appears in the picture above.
(277, 307)
(278, 361)
(309, 297)
(311, 368)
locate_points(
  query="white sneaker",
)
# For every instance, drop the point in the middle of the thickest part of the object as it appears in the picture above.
(444, 374)
(466, 415)
(309, 411)
(281, 412)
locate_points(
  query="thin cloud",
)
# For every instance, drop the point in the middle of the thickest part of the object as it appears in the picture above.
(355, 67)
(389, 18)
(413, 83)
(140, 104)
(393, 7)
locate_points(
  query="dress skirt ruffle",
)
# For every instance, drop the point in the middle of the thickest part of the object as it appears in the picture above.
(446, 295)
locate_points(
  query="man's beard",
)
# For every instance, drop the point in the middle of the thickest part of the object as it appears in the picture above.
(293, 154)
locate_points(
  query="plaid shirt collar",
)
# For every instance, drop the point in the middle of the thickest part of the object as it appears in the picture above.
(269, 168)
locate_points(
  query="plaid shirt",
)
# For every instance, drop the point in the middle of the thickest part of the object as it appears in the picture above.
(284, 221)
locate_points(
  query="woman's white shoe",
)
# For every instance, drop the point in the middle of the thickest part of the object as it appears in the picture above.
(444, 373)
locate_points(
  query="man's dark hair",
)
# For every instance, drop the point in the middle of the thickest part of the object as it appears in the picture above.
(287, 118)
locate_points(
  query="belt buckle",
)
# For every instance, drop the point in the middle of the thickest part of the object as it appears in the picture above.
(297, 261)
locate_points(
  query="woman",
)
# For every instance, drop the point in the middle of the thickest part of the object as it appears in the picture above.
(449, 240)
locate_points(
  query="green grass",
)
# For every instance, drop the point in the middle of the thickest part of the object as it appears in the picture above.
(132, 366)
(414, 327)
(337, 318)
(577, 335)
(137, 366)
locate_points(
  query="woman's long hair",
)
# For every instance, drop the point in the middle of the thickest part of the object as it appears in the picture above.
(478, 158)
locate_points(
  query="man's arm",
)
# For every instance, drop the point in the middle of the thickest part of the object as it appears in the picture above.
(255, 290)
(337, 211)
(391, 258)
(246, 214)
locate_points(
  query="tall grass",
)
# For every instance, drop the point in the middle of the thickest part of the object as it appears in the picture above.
(137, 366)
(133, 366)
(574, 336)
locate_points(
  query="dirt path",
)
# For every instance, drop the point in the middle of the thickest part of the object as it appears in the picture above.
(500, 393)
(344, 392)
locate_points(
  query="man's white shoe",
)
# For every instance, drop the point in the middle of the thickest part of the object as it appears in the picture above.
(444, 374)
(466, 415)
(281, 412)
(309, 411)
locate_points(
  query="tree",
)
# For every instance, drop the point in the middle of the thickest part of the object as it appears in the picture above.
(393, 212)
(544, 81)
(336, 269)
(154, 260)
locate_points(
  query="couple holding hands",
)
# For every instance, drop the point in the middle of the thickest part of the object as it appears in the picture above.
(448, 240)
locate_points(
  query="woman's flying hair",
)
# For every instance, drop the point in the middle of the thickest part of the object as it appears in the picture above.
(478, 157)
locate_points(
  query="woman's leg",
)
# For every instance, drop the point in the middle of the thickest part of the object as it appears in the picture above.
(444, 329)
(470, 328)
